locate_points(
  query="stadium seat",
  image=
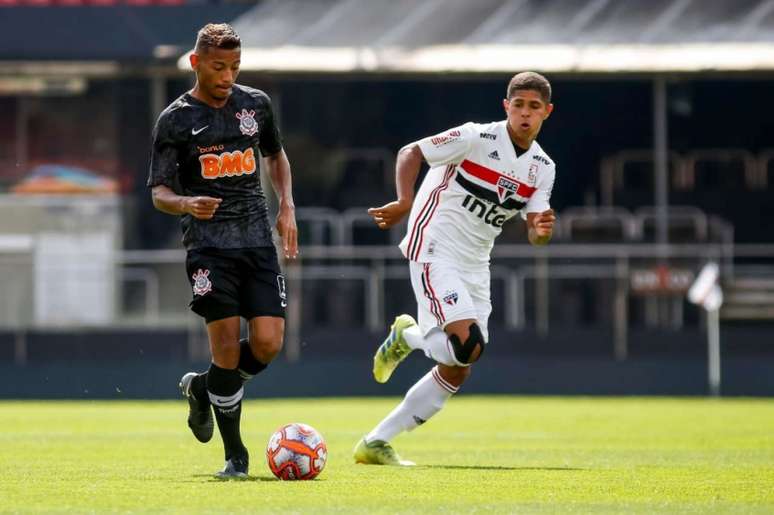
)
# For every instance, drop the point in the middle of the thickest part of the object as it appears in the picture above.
(686, 224)
(626, 178)
(718, 169)
(597, 224)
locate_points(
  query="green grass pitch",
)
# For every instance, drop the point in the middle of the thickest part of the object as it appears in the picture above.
(481, 454)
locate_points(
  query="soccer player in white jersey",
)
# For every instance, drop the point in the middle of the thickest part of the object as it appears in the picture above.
(480, 176)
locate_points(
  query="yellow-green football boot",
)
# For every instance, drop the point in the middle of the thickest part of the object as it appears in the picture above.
(393, 350)
(379, 453)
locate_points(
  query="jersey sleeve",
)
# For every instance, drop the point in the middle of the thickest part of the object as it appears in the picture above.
(164, 159)
(539, 201)
(269, 140)
(448, 147)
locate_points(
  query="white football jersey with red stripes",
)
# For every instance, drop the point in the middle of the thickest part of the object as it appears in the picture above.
(475, 183)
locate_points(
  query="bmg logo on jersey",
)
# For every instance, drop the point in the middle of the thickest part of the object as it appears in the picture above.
(228, 164)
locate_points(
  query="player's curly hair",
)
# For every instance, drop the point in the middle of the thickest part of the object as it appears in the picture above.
(217, 35)
(532, 81)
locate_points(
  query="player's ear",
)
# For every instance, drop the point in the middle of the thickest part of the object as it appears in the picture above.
(194, 60)
(505, 104)
(549, 110)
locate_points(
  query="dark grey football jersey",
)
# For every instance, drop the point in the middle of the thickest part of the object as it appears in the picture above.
(215, 152)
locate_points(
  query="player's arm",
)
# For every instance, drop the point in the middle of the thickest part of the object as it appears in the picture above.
(278, 168)
(167, 201)
(442, 149)
(541, 227)
(164, 164)
(407, 166)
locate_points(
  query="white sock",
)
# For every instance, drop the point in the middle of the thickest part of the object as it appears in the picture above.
(422, 401)
(435, 345)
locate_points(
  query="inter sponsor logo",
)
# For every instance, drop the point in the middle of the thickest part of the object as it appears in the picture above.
(486, 135)
(227, 164)
(492, 216)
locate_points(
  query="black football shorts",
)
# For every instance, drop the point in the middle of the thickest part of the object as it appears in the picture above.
(236, 282)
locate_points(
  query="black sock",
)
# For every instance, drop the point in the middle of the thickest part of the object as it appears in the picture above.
(248, 365)
(225, 389)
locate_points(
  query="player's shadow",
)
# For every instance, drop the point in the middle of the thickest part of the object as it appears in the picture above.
(496, 467)
(210, 479)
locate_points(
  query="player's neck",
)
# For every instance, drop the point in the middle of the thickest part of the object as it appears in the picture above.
(198, 94)
(523, 144)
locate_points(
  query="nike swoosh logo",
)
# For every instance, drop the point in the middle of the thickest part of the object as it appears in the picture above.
(195, 131)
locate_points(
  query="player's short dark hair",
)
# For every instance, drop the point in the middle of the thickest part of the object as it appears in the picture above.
(217, 35)
(532, 81)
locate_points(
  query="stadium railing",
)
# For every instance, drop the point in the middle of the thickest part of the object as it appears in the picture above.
(527, 285)
(697, 169)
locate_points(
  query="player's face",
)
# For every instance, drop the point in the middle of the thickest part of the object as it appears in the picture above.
(216, 71)
(526, 111)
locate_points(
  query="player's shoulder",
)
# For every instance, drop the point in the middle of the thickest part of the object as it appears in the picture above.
(538, 154)
(488, 131)
(247, 94)
(176, 113)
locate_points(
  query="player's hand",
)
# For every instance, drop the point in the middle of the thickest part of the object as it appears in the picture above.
(543, 223)
(390, 214)
(286, 227)
(202, 208)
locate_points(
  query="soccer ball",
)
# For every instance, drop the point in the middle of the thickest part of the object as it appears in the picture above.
(296, 451)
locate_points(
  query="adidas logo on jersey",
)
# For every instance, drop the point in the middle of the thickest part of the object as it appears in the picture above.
(494, 155)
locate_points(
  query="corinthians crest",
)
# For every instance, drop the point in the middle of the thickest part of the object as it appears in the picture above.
(201, 282)
(247, 123)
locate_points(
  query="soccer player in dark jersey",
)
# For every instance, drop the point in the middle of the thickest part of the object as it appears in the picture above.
(208, 142)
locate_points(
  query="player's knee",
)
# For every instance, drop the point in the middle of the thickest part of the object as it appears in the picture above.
(266, 346)
(470, 350)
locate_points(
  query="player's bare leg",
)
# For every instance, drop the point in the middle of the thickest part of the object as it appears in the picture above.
(428, 396)
(266, 335)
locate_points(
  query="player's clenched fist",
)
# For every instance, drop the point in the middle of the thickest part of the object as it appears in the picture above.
(202, 208)
(543, 223)
(390, 214)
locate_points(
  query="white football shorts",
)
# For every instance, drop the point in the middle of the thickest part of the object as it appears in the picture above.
(446, 294)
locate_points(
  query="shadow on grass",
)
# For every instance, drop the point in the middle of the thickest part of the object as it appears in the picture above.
(485, 467)
(209, 478)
